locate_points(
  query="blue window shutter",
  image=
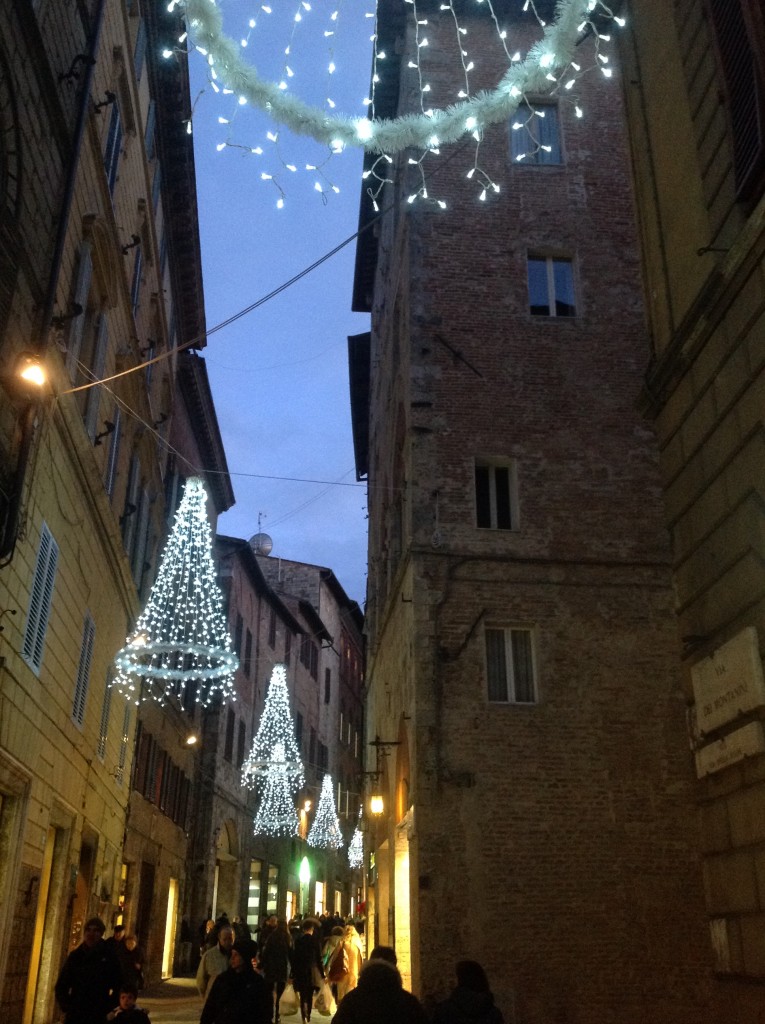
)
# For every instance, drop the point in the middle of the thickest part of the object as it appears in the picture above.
(113, 144)
(140, 50)
(114, 447)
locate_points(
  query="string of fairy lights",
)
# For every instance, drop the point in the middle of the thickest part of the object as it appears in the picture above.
(552, 65)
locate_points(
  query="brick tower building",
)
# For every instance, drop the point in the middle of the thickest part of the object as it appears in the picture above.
(524, 700)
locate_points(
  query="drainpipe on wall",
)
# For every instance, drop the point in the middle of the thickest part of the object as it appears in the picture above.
(29, 416)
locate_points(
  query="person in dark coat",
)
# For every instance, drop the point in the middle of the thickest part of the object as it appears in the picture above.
(275, 960)
(88, 986)
(239, 995)
(379, 998)
(471, 1002)
(306, 959)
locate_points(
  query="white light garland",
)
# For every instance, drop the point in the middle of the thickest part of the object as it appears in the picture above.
(275, 735)
(276, 814)
(548, 64)
(181, 637)
(325, 830)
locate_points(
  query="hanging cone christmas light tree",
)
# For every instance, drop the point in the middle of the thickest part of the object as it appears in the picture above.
(356, 847)
(275, 730)
(182, 636)
(276, 813)
(325, 830)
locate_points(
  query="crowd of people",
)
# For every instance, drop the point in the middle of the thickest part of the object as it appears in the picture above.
(323, 959)
(244, 980)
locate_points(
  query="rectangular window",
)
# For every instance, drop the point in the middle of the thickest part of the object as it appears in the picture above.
(253, 895)
(149, 138)
(113, 144)
(287, 646)
(228, 750)
(240, 742)
(272, 892)
(83, 670)
(496, 495)
(140, 50)
(510, 666)
(103, 731)
(156, 188)
(93, 369)
(114, 447)
(238, 630)
(135, 284)
(80, 300)
(551, 286)
(127, 519)
(124, 739)
(272, 628)
(247, 667)
(736, 24)
(40, 600)
(327, 684)
(535, 134)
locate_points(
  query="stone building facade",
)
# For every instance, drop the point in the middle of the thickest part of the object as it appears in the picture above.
(99, 273)
(522, 661)
(699, 175)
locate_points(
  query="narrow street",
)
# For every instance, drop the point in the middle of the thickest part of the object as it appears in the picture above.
(176, 1001)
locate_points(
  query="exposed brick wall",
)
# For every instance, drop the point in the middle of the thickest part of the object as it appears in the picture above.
(556, 843)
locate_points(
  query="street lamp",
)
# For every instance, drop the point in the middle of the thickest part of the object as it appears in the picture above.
(304, 875)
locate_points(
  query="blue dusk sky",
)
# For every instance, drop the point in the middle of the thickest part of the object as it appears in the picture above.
(279, 375)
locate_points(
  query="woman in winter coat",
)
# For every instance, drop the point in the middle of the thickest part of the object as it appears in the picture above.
(345, 963)
(471, 1002)
(275, 960)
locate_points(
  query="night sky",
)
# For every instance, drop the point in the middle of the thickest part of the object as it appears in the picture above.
(280, 374)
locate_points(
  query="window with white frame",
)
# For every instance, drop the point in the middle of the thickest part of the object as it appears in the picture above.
(510, 670)
(535, 134)
(551, 286)
(40, 600)
(496, 497)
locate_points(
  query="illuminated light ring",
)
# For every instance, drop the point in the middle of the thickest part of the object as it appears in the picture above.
(138, 660)
(531, 75)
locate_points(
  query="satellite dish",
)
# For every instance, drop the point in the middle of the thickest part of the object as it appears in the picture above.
(261, 544)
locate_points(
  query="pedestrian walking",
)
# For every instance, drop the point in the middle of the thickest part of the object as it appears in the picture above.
(239, 995)
(88, 986)
(345, 964)
(275, 960)
(215, 961)
(380, 998)
(131, 959)
(471, 1001)
(306, 962)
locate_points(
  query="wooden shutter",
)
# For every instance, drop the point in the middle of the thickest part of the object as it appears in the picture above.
(83, 670)
(40, 600)
(746, 93)
(80, 298)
